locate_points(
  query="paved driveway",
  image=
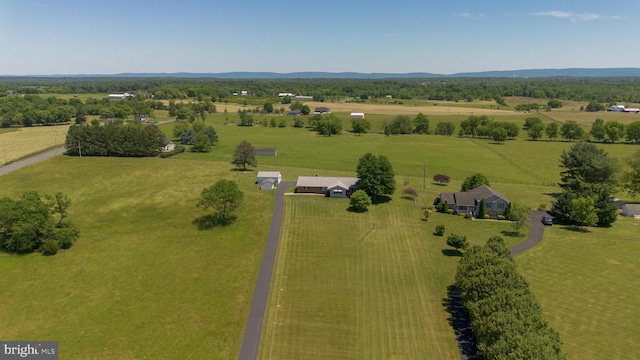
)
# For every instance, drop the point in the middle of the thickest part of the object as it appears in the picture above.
(253, 330)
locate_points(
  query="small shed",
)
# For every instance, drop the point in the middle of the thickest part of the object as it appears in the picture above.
(294, 112)
(631, 210)
(273, 175)
(267, 184)
(357, 115)
(322, 110)
(265, 151)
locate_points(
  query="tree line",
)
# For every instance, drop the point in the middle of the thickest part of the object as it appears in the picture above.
(128, 140)
(505, 317)
(597, 90)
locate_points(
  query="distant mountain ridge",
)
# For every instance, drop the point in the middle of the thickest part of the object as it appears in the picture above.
(526, 73)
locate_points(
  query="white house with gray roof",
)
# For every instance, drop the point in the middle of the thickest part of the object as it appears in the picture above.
(335, 187)
(469, 201)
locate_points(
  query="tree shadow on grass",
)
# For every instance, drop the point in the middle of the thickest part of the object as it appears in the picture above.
(553, 195)
(511, 233)
(451, 252)
(380, 199)
(459, 320)
(439, 184)
(207, 222)
(358, 211)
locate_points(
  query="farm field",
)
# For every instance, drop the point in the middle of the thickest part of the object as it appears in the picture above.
(142, 281)
(360, 285)
(22, 141)
(364, 286)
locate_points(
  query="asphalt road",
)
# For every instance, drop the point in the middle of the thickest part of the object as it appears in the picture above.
(32, 160)
(253, 330)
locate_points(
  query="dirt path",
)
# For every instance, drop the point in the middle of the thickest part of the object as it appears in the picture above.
(253, 330)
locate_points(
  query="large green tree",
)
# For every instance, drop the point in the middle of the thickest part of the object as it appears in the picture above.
(224, 196)
(587, 167)
(360, 126)
(584, 211)
(551, 130)
(597, 130)
(245, 155)
(571, 130)
(375, 175)
(633, 132)
(421, 124)
(473, 181)
(614, 130)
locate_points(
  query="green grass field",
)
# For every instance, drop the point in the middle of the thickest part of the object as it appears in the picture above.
(364, 286)
(585, 283)
(142, 281)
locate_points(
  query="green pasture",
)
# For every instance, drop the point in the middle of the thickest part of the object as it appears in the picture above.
(142, 281)
(364, 285)
(346, 285)
(585, 282)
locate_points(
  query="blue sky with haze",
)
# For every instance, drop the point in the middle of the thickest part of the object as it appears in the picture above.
(107, 37)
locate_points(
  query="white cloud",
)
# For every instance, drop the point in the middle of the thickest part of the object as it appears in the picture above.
(574, 16)
(467, 15)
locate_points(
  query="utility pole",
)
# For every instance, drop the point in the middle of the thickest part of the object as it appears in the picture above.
(79, 148)
(5, 153)
(424, 177)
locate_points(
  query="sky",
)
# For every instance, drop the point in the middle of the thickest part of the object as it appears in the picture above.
(47, 37)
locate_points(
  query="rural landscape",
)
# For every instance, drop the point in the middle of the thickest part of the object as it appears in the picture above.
(146, 238)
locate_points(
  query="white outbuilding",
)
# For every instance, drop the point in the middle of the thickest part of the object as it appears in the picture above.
(265, 175)
(357, 115)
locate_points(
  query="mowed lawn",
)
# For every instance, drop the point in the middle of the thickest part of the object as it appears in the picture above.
(586, 283)
(364, 285)
(142, 281)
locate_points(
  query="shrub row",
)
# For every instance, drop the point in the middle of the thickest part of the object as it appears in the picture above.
(505, 316)
(133, 139)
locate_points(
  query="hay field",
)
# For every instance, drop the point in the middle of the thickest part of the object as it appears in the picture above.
(14, 144)
(395, 109)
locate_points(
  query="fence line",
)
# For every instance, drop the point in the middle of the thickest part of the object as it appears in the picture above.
(545, 181)
(40, 151)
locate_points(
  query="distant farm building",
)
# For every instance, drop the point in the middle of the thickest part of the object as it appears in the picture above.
(142, 118)
(118, 96)
(321, 110)
(294, 112)
(335, 187)
(357, 115)
(244, 93)
(389, 96)
(265, 151)
(622, 108)
(303, 97)
(167, 145)
(286, 94)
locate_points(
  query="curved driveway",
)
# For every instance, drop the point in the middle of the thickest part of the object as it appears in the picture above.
(253, 330)
(536, 230)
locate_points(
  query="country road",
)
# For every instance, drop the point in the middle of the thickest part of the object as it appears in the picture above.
(32, 160)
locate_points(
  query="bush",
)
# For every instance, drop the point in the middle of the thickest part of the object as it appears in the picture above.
(457, 241)
(441, 179)
(468, 215)
(359, 201)
(66, 235)
(426, 214)
(449, 211)
(501, 217)
(486, 216)
(439, 230)
(50, 247)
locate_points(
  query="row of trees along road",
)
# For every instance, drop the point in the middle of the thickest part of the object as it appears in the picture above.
(505, 317)
(129, 140)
